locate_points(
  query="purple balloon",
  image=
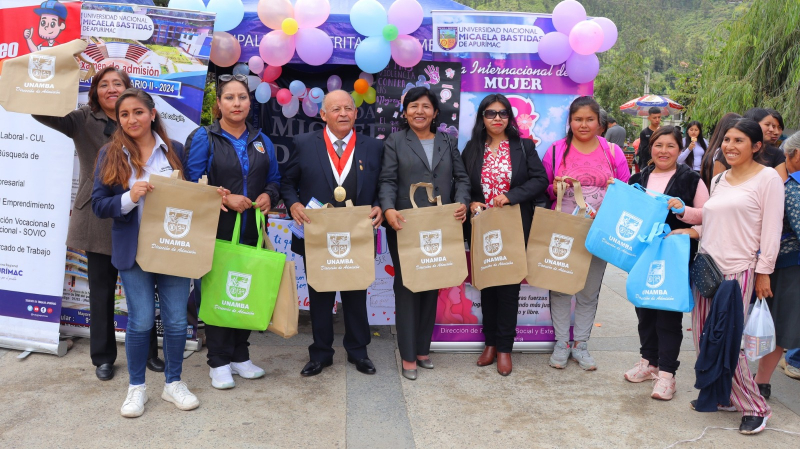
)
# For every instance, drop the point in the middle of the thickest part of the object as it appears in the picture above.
(309, 107)
(554, 48)
(586, 37)
(406, 15)
(609, 33)
(567, 14)
(582, 68)
(314, 46)
(334, 83)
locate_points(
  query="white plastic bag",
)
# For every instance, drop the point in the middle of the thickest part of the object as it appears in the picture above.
(759, 332)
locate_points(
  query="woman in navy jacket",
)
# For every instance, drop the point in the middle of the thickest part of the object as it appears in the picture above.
(140, 147)
(504, 169)
(235, 155)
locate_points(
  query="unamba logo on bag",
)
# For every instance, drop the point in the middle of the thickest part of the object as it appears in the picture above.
(430, 242)
(560, 246)
(238, 285)
(628, 226)
(339, 244)
(42, 68)
(656, 274)
(492, 243)
(177, 222)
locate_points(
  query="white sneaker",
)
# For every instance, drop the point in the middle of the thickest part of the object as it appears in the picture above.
(133, 407)
(664, 387)
(641, 372)
(178, 393)
(247, 370)
(221, 377)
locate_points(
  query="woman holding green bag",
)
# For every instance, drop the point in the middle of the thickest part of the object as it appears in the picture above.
(236, 155)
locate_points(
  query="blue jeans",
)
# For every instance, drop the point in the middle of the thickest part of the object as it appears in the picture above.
(793, 357)
(173, 294)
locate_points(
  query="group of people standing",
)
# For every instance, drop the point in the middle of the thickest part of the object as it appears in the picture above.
(736, 214)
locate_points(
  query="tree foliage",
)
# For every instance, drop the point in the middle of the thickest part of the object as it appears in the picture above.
(752, 61)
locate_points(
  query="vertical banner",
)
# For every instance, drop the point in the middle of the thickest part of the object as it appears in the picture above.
(165, 52)
(34, 189)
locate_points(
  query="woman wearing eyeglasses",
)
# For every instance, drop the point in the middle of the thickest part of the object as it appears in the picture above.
(240, 157)
(504, 169)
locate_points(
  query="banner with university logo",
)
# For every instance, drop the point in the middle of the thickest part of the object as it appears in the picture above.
(34, 186)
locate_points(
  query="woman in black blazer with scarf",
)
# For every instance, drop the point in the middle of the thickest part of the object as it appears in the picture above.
(503, 169)
(418, 154)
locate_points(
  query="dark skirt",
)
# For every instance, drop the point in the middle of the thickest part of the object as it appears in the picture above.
(785, 306)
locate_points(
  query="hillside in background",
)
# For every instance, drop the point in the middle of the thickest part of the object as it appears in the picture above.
(665, 37)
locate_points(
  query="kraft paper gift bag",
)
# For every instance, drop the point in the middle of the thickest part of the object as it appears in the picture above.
(44, 82)
(431, 245)
(340, 248)
(179, 227)
(660, 278)
(241, 289)
(498, 247)
(626, 212)
(287, 309)
(557, 256)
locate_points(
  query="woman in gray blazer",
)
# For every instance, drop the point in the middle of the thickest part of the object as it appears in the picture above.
(418, 154)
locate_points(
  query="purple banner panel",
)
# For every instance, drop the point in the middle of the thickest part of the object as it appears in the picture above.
(30, 306)
(473, 333)
(522, 76)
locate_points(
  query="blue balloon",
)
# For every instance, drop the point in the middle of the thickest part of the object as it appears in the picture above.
(229, 13)
(297, 88)
(241, 69)
(189, 5)
(316, 95)
(373, 54)
(368, 17)
(263, 92)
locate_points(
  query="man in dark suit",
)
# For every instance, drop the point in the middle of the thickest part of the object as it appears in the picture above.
(334, 165)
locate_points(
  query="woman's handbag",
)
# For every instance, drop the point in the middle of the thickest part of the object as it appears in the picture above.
(242, 287)
(705, 275)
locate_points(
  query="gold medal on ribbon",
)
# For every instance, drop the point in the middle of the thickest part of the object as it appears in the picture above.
(339, 194)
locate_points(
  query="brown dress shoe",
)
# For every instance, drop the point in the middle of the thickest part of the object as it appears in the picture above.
(488, 356)
(504, 363)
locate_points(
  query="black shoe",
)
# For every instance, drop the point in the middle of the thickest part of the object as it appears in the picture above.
(156, 364)
(105, 371)
(313, 368)
(362, 365)
(765, 390)
(752, 425)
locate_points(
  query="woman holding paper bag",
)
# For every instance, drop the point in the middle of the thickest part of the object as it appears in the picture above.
(90, 127)
(140, 147)
(741, 231)
(503, 170)
(595, 163)
(660, 331)
(418, 154)
(234, 154)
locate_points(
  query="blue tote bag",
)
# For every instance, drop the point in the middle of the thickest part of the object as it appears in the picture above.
(626, 212)
(660, 279)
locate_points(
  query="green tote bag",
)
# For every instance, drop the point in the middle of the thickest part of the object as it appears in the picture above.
(241, 289)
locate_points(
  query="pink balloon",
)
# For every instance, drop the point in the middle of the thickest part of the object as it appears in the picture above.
(256, 64)
(314, 46)
(311, 13)
(586, 37)
(406, 51)
(406, 15)
(225, 49)
(271, 73)
(582, 68)
(273, 12)
(609, 33)
(276, 48)
(554, 48)
(284, 96)
(566, 15)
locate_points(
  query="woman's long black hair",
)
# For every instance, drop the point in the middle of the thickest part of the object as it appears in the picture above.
(474, 151)
(700, 138)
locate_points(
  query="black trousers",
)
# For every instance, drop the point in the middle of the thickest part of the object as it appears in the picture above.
(102, 285)
(500, 307)
(356, 324)
(226, 345)
(661, 334)
(415, 313)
